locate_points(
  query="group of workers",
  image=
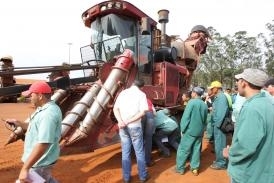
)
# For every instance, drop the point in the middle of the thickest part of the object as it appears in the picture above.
(248, 158)
(140, 125)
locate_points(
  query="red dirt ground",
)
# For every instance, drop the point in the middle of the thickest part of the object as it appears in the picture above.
(101, 166)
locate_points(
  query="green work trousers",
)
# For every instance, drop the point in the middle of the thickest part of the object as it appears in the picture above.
(209, 127)
(189, 147)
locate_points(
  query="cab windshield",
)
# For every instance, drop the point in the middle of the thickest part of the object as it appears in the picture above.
(111, 34)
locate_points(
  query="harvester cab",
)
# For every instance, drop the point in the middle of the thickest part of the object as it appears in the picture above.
(125, 45)
(166, 63)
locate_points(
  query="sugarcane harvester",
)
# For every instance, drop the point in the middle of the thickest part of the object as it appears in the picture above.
(128, 45)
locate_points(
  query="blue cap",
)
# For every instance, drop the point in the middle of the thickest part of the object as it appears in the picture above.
(198, 90)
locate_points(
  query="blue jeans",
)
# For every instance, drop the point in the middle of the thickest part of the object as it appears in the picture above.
(132, 136)
(220, 144)
(149, 129)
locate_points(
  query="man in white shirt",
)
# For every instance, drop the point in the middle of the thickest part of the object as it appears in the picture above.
(130, 106)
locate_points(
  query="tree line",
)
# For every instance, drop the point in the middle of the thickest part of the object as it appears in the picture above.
(229, 55)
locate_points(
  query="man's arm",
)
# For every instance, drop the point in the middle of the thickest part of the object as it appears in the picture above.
(117, 115)
(136, 117)
(185, 120)
(143, 108)
(23, 124)
(37, 152)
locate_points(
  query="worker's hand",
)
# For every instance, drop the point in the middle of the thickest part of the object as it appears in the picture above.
(23, 176)
(121, 124)
(11, 124)
(226, 152)
(14, 123)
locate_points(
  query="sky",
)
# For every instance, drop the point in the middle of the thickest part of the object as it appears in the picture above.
(38, 32)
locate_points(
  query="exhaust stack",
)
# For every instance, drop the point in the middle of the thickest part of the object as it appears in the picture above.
(163, 19)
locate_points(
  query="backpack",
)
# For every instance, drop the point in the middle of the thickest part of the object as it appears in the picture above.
(227, 125)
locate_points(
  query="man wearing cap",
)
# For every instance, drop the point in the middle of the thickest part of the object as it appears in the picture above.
(43, 132)
(6, 65)
(251, 155)
(220, 109)
(198, 29)
(192, 127)
(7, 80)
(200, 33)
(55, 75)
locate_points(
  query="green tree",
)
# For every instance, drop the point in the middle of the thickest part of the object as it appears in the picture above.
(227, 56)
(269, 48)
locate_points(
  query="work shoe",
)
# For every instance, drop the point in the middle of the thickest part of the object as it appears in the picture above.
(146, 179)
(164, 155)
(216, 167)
(195, 172)
(178, 171)
(150, 164)
(127, 181)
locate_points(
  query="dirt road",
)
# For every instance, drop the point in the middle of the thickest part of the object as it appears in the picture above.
(101, 166)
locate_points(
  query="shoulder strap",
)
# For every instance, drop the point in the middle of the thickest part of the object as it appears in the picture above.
(229, 101)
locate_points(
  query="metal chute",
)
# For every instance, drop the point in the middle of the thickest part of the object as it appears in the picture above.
(116, 78)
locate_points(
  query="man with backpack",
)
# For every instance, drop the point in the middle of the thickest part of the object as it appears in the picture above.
(220, 110)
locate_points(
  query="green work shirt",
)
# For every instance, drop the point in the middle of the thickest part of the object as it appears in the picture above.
(251, 155)
(44, 127)
(194, 118)
(164, 122)
(220, 109)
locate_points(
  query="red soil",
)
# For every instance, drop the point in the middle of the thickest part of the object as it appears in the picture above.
(101, 166)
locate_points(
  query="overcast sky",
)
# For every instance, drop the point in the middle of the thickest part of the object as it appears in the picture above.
(37, 32)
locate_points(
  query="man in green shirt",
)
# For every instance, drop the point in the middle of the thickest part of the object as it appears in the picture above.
(166, 126)
(192, 127)
(43, 132)
(251, 155)
(220, 110)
